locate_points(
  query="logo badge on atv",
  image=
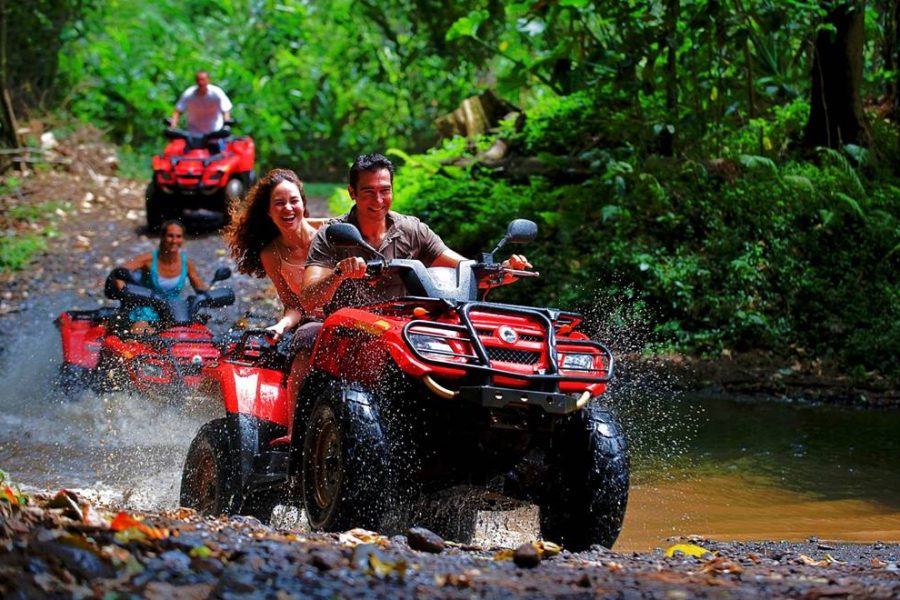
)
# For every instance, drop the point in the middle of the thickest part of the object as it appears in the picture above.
(508, 335)
(197, 360)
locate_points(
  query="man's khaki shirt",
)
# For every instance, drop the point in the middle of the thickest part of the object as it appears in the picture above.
(406, 237)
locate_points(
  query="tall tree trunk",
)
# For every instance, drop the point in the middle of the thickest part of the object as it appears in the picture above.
(666, 136)
(836, 115)
(9, 128)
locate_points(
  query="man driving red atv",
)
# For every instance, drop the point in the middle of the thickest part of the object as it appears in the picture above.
(207, 106)
(392, 234)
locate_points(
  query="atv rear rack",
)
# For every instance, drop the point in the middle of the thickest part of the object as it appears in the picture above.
(482, 358)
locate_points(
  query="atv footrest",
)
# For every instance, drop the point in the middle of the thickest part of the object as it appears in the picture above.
(496, 397)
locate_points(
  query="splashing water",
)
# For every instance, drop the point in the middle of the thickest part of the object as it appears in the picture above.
(117, 447)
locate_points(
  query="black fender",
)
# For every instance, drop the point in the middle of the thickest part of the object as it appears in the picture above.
(248, 441)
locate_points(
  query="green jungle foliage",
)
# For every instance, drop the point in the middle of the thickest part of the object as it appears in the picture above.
(739, 253)
(663, 138)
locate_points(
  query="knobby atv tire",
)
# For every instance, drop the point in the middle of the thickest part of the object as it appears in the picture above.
(345, 462)
(209, 479)
(586, 494)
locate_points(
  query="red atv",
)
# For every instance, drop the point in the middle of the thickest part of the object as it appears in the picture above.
(416, 395)
(101, 352)
(197, 172)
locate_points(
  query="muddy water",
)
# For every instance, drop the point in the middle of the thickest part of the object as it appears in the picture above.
(708, 466)
(770, 470)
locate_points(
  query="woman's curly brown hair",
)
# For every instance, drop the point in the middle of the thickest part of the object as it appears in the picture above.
(251, 228)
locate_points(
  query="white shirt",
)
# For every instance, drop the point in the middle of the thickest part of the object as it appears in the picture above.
(204, 112)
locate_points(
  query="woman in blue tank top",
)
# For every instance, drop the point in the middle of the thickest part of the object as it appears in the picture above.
(165, 270)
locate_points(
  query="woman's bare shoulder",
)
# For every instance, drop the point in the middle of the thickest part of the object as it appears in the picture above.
(269, 258)
(318, 222)
(140, 261)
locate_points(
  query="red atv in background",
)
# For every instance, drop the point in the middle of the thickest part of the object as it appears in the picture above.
(417, 395)
(100, 351)
(199, 172)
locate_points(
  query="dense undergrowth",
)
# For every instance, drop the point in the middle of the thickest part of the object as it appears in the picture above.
(760, 248)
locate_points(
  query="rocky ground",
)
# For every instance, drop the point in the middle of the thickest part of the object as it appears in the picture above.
(62, 545)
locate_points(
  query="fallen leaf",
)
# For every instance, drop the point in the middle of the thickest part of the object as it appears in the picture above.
(358, 536)
(812, 562)
(505, 554)
(381, 567)
(547, 549)
(688, 550)
(721, 565)
(200, 551)
(130, 528)
(10, 495)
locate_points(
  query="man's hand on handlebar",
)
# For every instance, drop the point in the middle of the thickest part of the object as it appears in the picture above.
(352, 267)
(516, 262)
(508, 272)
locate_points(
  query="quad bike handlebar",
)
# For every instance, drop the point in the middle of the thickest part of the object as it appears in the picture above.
(433, 283)
(178, 311)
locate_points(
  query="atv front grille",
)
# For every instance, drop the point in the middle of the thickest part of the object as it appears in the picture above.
(518, 357)
(509, 341)
(190, 368)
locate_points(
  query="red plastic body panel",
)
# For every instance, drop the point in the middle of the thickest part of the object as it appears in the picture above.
(252, 390)
(355, 345)
(190, 171)
(81, 339)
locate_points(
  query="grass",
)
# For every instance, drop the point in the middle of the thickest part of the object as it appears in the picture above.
(9, 185)
(134, 164)
(16, 250)
(37, 212)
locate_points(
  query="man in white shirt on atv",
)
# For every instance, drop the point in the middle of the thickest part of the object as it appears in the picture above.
(207, 107)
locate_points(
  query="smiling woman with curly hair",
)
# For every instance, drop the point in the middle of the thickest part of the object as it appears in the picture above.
(269, 236)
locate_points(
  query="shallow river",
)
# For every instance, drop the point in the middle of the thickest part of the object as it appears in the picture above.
(710, 466)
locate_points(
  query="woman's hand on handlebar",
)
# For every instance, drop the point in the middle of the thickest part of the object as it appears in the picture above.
(275, 332)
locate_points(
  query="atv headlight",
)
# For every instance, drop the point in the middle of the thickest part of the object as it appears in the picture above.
(577, 362)
(432, 347)
(151, 370)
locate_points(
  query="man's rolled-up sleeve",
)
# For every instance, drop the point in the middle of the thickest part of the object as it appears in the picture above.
(429, 243)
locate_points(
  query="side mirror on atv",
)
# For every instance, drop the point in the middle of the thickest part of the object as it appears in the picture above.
(345, 235)
(216, 298)
(221, 274)
(519, 231)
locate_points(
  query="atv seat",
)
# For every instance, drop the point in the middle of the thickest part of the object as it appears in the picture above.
(193, 141)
